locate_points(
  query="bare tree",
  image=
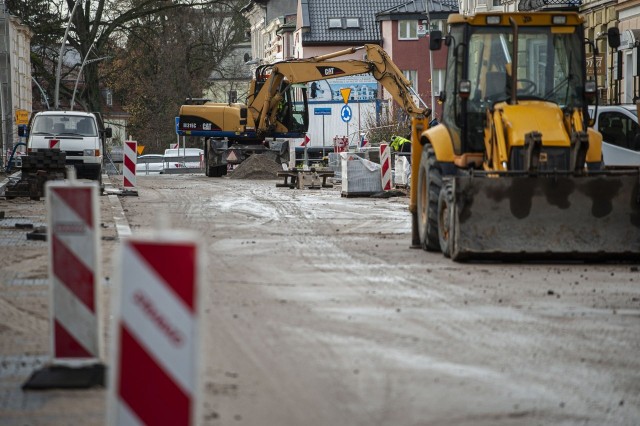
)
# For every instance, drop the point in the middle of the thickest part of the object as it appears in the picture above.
(168, 57)
(103, 26)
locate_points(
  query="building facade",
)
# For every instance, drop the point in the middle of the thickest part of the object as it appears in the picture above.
(15, 77)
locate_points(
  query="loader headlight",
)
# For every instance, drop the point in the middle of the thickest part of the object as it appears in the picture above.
(464, 88)
(493, 20)
(559, 20)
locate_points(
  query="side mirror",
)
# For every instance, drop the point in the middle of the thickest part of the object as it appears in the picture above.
(613, 37)
(108, 133)
(435, 40)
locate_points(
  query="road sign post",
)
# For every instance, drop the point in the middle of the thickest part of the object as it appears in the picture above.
(322, 112)
(22, 116)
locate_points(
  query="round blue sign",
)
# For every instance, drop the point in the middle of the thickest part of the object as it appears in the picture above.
(346, 113)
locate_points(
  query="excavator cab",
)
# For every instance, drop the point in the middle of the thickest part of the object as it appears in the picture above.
(513, 170)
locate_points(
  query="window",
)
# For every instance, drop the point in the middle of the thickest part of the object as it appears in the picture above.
(436, 25)
(353, 22)
(407, 30)
(437, 81)
(412, 76)
(344, 23)
(620, 130)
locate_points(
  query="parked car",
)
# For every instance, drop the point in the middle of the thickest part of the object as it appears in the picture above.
(620, 134)
(150, 164)
(183, 160)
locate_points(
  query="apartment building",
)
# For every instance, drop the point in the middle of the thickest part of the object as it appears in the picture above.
(15, 77)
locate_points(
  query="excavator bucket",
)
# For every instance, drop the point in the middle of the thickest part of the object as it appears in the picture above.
(594, 217)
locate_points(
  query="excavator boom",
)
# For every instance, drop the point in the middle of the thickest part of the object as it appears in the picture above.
(277, 107)
(377, 63)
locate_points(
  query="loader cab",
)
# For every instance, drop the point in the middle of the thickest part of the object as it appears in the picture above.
(484, 66)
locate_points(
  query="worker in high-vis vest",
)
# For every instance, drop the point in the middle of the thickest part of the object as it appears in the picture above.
(400, 144)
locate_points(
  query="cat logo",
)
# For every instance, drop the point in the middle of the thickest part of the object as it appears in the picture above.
(329, 71)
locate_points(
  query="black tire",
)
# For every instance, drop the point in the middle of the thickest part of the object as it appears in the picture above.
(207, 170)
(100, 183)
(446, 202)
(429, 185)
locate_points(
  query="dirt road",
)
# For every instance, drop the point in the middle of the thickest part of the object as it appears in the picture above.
(319, 313)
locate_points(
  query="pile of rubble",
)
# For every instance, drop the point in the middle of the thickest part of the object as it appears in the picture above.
(257, 166)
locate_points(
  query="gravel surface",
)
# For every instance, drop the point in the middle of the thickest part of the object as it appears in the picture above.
(318, 313)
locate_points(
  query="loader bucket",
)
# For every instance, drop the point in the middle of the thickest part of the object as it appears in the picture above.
(595, 217)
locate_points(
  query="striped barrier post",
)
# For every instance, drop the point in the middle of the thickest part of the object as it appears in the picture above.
(73, 235)
(155, 371)
(385, 166)
(129, 169)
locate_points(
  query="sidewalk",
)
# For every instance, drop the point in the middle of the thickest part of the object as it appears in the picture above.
(24, 316)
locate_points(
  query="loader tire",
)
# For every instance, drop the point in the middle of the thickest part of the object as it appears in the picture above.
(429, 186)
(445, 218)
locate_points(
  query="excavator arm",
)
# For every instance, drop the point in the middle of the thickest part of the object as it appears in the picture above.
(264, 102)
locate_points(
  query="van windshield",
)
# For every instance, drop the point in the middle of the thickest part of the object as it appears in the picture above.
(64, 125)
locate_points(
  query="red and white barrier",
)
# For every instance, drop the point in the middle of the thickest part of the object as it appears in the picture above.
(156, 343)
(73, 235)
(54, 143)
(129, 161)
(385, 166)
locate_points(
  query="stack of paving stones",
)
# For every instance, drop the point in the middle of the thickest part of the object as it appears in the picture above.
(37, 168)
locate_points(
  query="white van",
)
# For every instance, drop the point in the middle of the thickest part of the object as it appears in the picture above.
(183, 160)
(78, 134)
(618, 125)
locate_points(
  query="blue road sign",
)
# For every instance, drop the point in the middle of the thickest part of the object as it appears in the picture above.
(345, 113)
(322, 111)
(177, 124)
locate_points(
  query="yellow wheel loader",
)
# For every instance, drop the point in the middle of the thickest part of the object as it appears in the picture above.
(513, 170)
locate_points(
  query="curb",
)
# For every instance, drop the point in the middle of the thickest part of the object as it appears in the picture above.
(122, 224)
(6, 180)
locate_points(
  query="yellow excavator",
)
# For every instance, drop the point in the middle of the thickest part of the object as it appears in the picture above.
(277, 109)
(514, 170)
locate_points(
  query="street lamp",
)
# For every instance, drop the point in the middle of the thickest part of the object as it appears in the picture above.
(84, 62)
(64, 42)
(44, 95)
